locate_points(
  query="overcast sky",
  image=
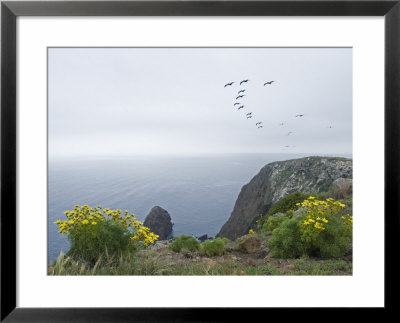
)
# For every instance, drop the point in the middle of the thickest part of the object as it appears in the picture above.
(128, 101)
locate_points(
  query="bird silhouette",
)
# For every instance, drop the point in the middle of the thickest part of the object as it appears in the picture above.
(281, 124)
(270, 82)
(241, 91)
(237, 103)
(288, 133)
(299, 115)
(240, 96)
(259, 127)
(228, 84)
(248, 117)
(248, 114)
(241, 107)
(258, 123)
(244, 81)
(330, 127)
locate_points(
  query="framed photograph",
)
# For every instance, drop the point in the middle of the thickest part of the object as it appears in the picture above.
(193, 158)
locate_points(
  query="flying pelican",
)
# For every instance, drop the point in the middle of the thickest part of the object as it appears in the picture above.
(244, 81)
(240, 96)
(241, 107)
(236, 103)
(258, 123)
(288, 133)
(270, 82)
(228, 84)
(299, 115)
(241, 91)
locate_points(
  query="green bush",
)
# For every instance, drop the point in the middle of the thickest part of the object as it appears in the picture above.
(284, 205)
(90, 242)
(272, 223)
(214, 247)
(322, 231)
(286, 240)
(97, 231)
(334, 242)
(184, 242)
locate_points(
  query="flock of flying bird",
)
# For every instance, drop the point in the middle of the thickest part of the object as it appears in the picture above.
(240, 96)
(249, 115)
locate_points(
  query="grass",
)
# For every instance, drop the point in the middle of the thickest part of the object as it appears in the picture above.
(264, 270)
(151, 263)
(327, 267)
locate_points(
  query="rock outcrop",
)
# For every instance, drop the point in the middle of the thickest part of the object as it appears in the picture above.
(250, 244)
(159, 222)
(202, 238)
(342, 187)
(278, 179)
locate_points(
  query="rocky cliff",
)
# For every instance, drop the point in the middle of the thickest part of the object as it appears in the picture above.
(278, 179)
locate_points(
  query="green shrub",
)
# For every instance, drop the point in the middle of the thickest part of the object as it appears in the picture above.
(90, 242)
(272, 223)
(286, 240)
(184, 242)
(214, 247)
(284, 205)
(96, 231)
(322, 231)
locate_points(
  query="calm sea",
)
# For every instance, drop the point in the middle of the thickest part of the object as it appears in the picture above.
(198, 192)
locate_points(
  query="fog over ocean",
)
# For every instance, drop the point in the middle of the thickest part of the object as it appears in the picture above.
(199, 192)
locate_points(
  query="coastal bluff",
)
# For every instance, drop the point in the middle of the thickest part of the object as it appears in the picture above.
(278, 179)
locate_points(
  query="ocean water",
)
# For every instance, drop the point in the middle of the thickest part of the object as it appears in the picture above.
(198, 192)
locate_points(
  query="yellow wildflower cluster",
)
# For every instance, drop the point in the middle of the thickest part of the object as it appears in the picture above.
(144, 234)
(88, 216)
(347, 221)
(317, 214)
(251, 231)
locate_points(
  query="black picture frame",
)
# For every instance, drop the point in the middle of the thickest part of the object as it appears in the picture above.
(10, 10)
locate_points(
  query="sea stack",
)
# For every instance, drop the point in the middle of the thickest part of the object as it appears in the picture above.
(159, 222)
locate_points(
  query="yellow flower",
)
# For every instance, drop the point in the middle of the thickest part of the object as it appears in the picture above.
(71, 222)
(251, 231)
(94, 223)
(311, 198)
(85, 222)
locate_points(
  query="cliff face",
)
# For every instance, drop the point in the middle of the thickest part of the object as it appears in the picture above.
(278, 179)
